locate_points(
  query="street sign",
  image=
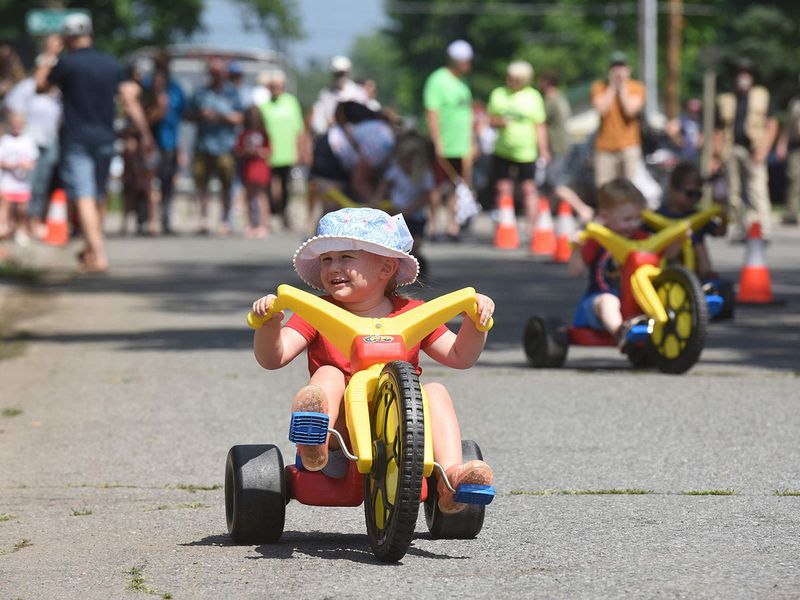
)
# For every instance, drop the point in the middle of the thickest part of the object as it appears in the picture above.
(51, 20)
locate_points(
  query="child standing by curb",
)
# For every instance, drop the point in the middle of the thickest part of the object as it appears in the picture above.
(18, 154)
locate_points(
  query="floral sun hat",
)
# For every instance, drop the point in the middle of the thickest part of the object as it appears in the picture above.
(367, 229)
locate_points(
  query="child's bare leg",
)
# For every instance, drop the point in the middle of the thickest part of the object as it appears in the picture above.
(446, 435)
(531, 196)
(445, 430)
(263, 212)
(608, 310)
(323, 394)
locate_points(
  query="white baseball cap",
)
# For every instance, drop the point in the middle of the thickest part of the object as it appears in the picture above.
(77, 24)
(341, 64)
(460, 50)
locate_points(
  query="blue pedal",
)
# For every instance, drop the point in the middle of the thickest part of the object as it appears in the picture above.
(309, 428)
(474, 493)
(715, 303)
(638, 333)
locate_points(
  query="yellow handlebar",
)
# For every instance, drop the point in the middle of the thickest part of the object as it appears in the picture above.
(620, 247)
(341, 327)
(696, 220)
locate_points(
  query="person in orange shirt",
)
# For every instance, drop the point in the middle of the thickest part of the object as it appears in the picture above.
(619, 101)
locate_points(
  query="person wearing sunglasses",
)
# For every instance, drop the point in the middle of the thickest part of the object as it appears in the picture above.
(681, 200)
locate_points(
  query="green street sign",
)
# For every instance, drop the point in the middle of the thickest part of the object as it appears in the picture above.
(50, 20)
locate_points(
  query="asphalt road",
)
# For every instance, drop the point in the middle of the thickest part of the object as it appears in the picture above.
(131, 388)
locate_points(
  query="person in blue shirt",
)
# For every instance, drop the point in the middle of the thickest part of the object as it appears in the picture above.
(90, 82)
(218, 111)
(168, 104)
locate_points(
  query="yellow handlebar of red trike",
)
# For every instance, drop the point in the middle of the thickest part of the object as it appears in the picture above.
(341, 327)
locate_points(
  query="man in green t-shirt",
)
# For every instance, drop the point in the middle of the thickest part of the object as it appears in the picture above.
(284, 122)
(517, 111)
(448, 111)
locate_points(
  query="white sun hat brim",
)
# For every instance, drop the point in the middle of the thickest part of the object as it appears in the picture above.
(308, 267)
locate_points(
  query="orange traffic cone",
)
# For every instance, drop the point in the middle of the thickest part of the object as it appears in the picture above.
(754, 281)
(543, 240)
(565, 229)
(506, 236)
(57, 228)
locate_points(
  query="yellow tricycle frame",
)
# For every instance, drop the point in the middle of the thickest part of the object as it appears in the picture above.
(342, 328)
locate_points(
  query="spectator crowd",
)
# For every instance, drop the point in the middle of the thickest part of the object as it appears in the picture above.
(62, 127)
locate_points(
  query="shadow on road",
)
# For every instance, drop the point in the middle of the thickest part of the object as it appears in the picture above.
(521, 287)
(216, 338)
(353, 547)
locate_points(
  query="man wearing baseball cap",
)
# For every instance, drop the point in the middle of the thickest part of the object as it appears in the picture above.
(448, 110)
(341, 89)
(90, 82)
(619, 101)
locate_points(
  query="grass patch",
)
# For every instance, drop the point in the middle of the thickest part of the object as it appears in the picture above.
(81, 512)
(11, 411)
(5, 517)
(138, 583)
(23, 543)
(182, 505)
(108, 485)
(12, 271)
(192, 488)
(709, 493)
(787, 492)
(11, 349)
(608, 492)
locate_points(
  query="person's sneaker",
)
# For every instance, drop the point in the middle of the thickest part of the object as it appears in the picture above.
(474, 472)
(21, 238)
(788, 219)
(311, 399)
(631, 329)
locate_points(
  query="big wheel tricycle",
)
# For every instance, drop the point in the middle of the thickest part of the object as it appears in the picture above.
(668, 299)
(388, 430)
(719, 292)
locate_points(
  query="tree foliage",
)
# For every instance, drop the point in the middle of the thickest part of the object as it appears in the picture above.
(575, 37)
(122, 25)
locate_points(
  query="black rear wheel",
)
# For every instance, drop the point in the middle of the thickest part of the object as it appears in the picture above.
(677, 344)
(460, 526)
(255, 494)
(726, 292)
(392, 489)
(545, 340)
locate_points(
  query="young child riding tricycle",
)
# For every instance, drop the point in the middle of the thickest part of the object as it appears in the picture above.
(360, 257)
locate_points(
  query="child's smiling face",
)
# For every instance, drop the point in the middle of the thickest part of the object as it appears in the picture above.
(355, 275)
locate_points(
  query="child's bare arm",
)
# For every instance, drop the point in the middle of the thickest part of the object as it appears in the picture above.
(462, 351)
(576, 267)
(275, 346)
(703, 262)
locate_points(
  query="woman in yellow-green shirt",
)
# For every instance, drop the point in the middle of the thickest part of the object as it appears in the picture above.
(517, 111)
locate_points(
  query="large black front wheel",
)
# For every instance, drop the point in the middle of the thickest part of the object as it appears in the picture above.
(255, 493)
(676, 345)
(464, 525)
(392, 489)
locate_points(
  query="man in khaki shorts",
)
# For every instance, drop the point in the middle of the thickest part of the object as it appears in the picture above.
(788, 149)
(618, 144)
(745, 131)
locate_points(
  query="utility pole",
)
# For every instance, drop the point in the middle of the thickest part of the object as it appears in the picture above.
(648, 48)
(673, 91)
